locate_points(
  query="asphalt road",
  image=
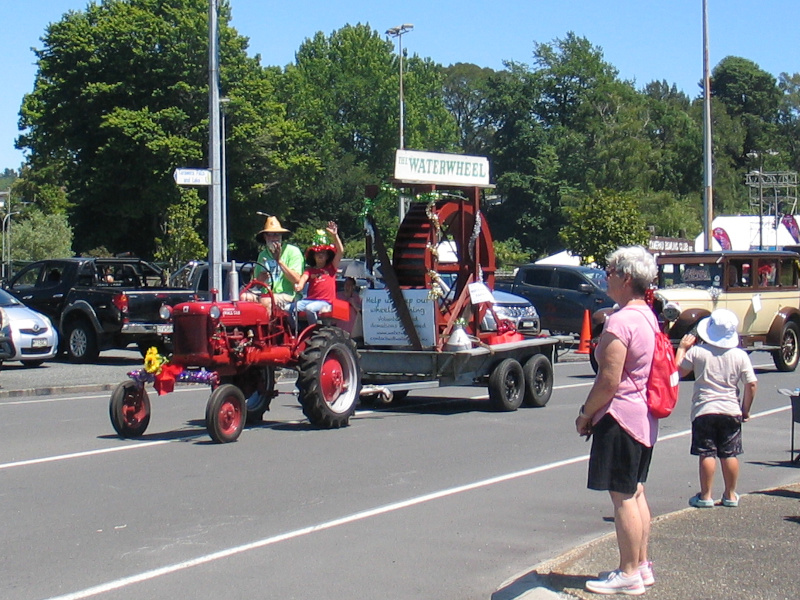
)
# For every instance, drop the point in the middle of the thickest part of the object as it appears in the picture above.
(437, 497)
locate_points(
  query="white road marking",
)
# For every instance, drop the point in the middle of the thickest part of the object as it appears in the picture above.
(359, 516)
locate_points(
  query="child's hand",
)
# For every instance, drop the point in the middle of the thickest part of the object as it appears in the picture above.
(687, 341)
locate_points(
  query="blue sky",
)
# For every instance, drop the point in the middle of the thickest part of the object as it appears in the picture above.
(645, 40)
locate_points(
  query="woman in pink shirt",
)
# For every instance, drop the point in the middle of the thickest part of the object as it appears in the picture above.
(616, 414)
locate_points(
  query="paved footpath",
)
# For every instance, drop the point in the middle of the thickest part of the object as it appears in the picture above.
(751, 552)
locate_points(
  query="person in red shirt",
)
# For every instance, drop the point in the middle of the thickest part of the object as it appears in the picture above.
(322, 260)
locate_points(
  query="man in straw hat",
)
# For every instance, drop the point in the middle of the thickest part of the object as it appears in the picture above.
(279, 264)
(719, 365)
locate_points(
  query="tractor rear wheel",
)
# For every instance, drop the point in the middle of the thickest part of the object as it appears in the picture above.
(258, 385)
(329, 379)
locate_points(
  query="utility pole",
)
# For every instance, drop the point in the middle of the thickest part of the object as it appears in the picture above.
(215, 221)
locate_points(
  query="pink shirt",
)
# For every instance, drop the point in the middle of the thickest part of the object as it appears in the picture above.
(628, 406)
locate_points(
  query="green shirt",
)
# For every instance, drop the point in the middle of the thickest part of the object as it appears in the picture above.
(291, 257)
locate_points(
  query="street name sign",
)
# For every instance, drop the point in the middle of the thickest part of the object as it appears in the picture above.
(192, 176)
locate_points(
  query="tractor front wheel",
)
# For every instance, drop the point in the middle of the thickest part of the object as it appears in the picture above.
(226, 412)
(329, 381)
(129, 409)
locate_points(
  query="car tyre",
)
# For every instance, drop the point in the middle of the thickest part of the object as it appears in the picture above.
(787, 356)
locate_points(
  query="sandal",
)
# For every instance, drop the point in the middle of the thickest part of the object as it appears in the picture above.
(697, 502)
(732, 503)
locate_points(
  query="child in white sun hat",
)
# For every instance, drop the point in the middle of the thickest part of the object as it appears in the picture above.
(718, 410)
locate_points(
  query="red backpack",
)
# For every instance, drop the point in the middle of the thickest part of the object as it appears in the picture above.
(662, 383)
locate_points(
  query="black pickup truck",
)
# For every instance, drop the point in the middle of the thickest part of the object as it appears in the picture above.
(99, 303)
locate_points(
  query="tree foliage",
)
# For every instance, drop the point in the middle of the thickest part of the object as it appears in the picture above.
(121, 100)
(37, 236)
(602, 221)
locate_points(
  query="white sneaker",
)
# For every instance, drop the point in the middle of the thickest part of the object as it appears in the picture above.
(617, 583)
(645, 570)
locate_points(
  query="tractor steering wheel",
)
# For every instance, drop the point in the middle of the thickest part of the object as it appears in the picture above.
(253, 283)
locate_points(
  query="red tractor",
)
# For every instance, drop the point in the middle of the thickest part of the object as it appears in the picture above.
(235, 347)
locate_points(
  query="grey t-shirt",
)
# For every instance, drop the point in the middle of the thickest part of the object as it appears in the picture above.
(717, 372)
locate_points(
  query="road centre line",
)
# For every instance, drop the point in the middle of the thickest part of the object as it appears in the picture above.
(359, 516)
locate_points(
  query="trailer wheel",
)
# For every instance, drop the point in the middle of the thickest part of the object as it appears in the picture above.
(506, 385)
(129, 409)
(259, 389)
(538, 380)
(329, 379)
(225, 414)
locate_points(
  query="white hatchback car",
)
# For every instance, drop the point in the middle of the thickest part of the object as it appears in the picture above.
(25, 334)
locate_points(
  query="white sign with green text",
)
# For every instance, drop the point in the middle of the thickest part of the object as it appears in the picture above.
(433, 167)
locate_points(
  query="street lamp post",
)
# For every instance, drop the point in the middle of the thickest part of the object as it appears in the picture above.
(223, 104)
(398, 32)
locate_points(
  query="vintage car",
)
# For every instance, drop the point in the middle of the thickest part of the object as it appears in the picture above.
(760, 287)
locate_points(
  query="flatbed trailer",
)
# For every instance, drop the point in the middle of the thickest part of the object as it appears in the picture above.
(516, 373)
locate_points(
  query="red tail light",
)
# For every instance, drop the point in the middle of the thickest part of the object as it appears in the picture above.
(120, 301)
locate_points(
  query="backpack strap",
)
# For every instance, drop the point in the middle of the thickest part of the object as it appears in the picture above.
(625, 370)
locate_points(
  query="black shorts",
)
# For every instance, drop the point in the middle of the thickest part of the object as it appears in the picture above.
(717, 435)
(617, 462)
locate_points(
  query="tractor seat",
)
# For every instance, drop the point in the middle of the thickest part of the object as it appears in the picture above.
(339, 312)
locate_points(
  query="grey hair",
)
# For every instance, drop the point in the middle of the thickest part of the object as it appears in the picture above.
(636, 262)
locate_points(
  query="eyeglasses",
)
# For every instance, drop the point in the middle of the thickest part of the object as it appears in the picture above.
(611, 271)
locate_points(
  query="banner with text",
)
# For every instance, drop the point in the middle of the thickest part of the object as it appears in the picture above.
(447, 169)
(382, 326)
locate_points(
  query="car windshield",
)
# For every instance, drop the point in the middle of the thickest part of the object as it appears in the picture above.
(598, 277)
(7, 299)
(696, 275)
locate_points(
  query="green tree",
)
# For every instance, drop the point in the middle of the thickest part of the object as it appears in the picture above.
(37, 236)
(751, 94)
(121, 100)
(181, 241)
(343, 89)
(465, 95)
(600, 222)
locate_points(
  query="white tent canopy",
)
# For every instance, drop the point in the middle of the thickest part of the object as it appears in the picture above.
(565, 257)
(742, 232)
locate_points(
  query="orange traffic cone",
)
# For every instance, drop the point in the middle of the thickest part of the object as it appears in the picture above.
(586, 334)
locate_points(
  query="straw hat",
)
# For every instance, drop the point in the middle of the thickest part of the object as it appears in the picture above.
(719, 329)
(271, 225)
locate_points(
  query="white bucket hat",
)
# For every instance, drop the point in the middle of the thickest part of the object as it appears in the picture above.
(719, 329)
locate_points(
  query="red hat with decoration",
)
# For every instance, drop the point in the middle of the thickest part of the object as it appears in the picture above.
(320, 244)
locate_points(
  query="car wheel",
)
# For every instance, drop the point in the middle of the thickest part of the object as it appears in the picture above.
(787, 356)
(81, 342)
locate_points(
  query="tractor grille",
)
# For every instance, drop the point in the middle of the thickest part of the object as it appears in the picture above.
(190, 334)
